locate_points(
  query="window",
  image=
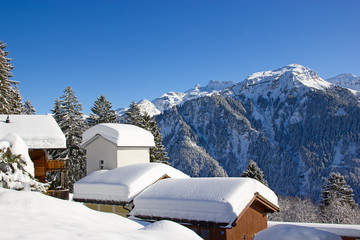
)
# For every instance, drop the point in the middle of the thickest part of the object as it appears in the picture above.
(204, 233)
(101, 164)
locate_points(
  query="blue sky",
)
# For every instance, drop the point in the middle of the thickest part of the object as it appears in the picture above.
(135, 49)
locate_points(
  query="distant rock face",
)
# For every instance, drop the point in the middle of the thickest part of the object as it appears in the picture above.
(346, 80)
(296, 126)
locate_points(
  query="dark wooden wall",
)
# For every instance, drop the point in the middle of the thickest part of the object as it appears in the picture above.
(252, 221)
(210, 233)
(348, 238)
(38, 156)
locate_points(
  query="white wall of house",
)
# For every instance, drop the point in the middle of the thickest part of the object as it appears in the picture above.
(104, 154)
(98, 150)
(132, 155)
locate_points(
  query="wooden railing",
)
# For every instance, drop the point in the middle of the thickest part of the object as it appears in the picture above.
(56, 164)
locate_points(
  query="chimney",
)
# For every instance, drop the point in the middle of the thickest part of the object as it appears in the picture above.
(8, 119)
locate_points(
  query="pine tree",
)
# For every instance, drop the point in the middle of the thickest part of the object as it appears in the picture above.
(134, 117)
(101, 112)
(16, 104)
(56, 110)
(67, 112)
(335, 187)
(253, 171)
(337, 199)
(157, 153)
(29, 108)
(10, 99)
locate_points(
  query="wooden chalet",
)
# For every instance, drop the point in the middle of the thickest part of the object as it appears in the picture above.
(40, 133)
(215, 208)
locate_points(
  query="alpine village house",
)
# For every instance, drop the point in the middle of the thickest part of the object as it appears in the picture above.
(122, 180)
(40, 133)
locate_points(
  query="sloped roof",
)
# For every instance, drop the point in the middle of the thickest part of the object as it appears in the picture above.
(122, 184)
(120, 134)
(37, 131)
(217, 200)
(344, 230)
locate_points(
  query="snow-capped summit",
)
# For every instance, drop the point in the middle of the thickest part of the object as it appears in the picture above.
(346, 80)
(293, 77)
(148, 107)
(216, 86)
(145, 107)
(170, 99)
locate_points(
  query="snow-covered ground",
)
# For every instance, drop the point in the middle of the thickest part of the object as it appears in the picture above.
(32, 215)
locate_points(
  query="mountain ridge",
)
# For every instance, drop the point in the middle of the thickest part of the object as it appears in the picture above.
(295, 125)
(171, 99)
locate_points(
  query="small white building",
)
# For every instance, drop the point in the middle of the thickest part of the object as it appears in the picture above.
(112, 145)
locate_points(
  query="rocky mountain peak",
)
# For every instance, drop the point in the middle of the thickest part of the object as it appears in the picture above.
(293, 77)
(346, 80)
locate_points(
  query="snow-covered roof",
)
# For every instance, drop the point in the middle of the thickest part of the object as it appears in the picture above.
(218, 200)
(37, 131)
(31, 215)
(124, 183)
(125, 135)
(345, 230)
(293, 232)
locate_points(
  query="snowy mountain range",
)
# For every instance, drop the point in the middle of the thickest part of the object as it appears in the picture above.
(295, 125)
(170, 99)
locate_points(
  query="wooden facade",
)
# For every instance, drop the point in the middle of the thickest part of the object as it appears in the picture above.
(117, 209)
(349, 238)
(250, 221)
(42, 165)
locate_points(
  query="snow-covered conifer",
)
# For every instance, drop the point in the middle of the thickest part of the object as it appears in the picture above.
(157, 153)
(10, 99)
(133, 115)
(101, 112)
(16, 167)
(67, 113)
(337, 200)
(253, 171)
(29, 108)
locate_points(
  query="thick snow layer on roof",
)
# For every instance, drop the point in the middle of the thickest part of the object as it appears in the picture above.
(347, 230)
(293, 232)
(124, 183)
(31, 215)
(37, 131)
(120, 134)
(218, 200)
